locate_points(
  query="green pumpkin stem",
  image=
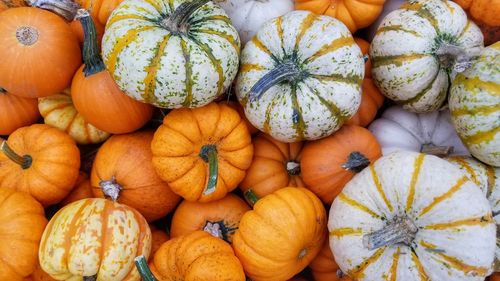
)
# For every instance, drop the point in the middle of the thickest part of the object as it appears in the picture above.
(356, 162)
(209, 154)
(64, 8)
(440, 151)
(111, 188)
(400, 230)
(23, 161)
(91, 56)
(143, 268)
(283, 72)
(177, 21)
(250, 197)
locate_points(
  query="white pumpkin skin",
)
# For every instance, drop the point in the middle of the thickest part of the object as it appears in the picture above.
(171, 67)
(455, 233)
(326, 88)
(404, 52)
(389, 6)
(475, 106)
(398, 129)
(248, 16)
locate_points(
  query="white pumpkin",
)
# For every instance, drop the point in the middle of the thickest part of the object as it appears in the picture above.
(300, 77)
(248, 16)
(398, 129)
(411, 217)
(418, 49)
(475, 106)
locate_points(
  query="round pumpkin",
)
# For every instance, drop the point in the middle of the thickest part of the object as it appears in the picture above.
(158, 237)
(485, 11)
(411, 216)
(39, 275)
(39, 51)
(219, 218)
(202, 153)
(194, 58)
(58, 111)
(275, 165)
(300, 77)
(100, 9)
(16, 112)
(7, 4)
(281, 235)
(21, 226)
(39, 160)
(389, 6)
(419, 48)
(82, 190)
(328, 164)
(123, 171)
(241, 111)
(324, 267)
(475, 106)
(431, 133)
(94, 238)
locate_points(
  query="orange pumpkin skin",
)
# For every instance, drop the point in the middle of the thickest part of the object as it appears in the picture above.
(82, 190)
(22, 224)
(77, 29)
(324, 267)
(158, 237)
(39, 51)
(39, 275)
(54, 166)
(495, 277)
(491, 33)
(275, 165)
(16, 112)
(100, 9)
(7, 4)
(485, 11)
(328, 164)
(241, 111)
(220, 218)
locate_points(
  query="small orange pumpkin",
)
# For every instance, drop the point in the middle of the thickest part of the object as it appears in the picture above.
(324, 267)
(101, 9)
(484, 11)
(241, 111)
(39, 275)
(77, 28)
(495, 277)
(82, 190)
(16, 112)
(158, 237)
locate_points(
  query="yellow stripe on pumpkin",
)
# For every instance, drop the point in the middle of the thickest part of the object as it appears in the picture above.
(261, 46)
(444, 196)
(349, 201)
(417, 165)
(346, 231)
(358, 273)
(247, 67)
(467, 167)
(479, 110)
(490, 172)
(152, 70)
(279, 30)
(155, 4)
(189, 73)
(394, 266)
(304, 27)
(118, 18)
(379, 187)
(398, 60)
(480, 137)
(420, 268)
(474, 84)
(481, 221)
(215, 62)
(397, 27)
(328, 48)
(423, 12)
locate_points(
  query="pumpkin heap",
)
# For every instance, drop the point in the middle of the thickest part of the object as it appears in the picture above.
(249, 140)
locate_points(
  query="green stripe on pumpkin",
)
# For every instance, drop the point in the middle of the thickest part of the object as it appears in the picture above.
(348, 79)
(304, 27)
(397, 28)
(422, 12)
(211, 18)
(118, 18)
(481, 137)
(155, 4)
(171, 5)
(226, 36)
(152, 70)
(420, 94)
(328, 48)
(267, 121)
(189, 73)
(398, 60)
(331, 106)
(215, 62)
(297, 118)
(479, 110)
(279, 30)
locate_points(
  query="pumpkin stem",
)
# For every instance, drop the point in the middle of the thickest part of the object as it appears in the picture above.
(177, 21)
(400, 230)
(3, 91)
(91, 57)
(64, 8)
(27, 35)
(293, 168)
(111, 189)
(455, 57)
(356, 162)
(250, 197)
(208, 153)
(23, 161)
(440, 151)
(90, 278)
(143, 268)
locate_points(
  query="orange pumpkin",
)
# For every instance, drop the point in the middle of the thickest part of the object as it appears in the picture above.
(202, 153)
(39, 51)
(495, 277)
(22, 224)
(16, 112)
(241, 111)
(39, 275)
(324, 267)
(484, 11)
(328, 164)
(355, 14)
(101, 9)
(82, 190)
(219, 218)
(39, 160)
(123, 171)
(76, 27)
(7, 4)
(275, 165)
(491, 33)
(158, 237)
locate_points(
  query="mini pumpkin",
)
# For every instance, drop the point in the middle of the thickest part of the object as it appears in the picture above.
(158, 237)
(241, 111)
(324, 267)
(100, 9)
(16, 112)
(39, 275)
(82, 190)
(484, 11)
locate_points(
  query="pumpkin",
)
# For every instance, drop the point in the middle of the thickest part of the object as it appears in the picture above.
(196, 256)
(39, 160)
(275, 165)
(39, 275)
(123, 171)
(202, 153)
(94, 238)
(495, 277)
(16, 112)
(158, 237)
(412, 216)
(324, 267)
(474, 105)
(77, 28)
(22, 223)
(419, 48)
(39, 52)
(281, 235)
(97, 97)
(484, 11)
(7, 4)
(194, 58)
(241, 111)
(328, 164)
(248, 16)
(219, 218)
(300, 77)
(58, 111)
(432, 133)
(100, 9)
(354, 14)
(389, 6)
(82, 190)
(491, 33)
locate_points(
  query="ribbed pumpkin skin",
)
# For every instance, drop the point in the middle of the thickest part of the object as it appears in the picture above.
(158, 237)
(94, 236)
(7, 4)
(324, 267)
(39, 275)
(100, 9)
(406, 67)
(281, 235)
(82, 190)
(153, 65)
(475, 106)
(455, 231)
(485, 11)
(21, 227)
(329, 92)
(16, 112)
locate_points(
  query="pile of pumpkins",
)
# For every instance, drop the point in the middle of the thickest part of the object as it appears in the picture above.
(249, 140)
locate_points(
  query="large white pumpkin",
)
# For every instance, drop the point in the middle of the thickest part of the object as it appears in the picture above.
(300, 77)
(411, 217)
(417, 50)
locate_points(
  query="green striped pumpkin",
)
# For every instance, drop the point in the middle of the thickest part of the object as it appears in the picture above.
(171, 53)
(300, 77)
(417, 50)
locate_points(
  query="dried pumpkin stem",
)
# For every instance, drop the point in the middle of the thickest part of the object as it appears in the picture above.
(23, 161)
(400, 230)
(356, 162)
(440, 151)
(111, 188)
(2, 91)
(209, 154)
(90, 278)
(91, 56)
(177, 22)
(214, 229)
(64, 8)
(283, 72)
(293, 168)
(456, 57)
(250, 197)
(143, 268)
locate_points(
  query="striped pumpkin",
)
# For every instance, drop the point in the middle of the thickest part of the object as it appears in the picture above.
(300, 77)
(475, 106)
(409, 217)
(171, 54)
(418, 48)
